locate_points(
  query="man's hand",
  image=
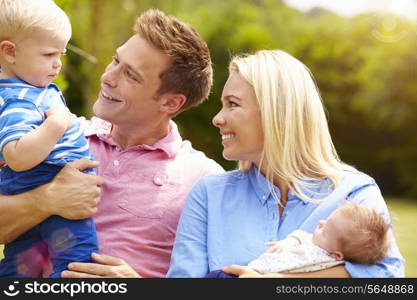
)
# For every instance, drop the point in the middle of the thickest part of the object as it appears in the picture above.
(72, 194)
(106, 266)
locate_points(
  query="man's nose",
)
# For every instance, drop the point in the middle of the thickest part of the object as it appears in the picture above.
(109, 76)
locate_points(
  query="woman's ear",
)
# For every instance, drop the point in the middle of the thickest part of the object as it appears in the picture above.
(8, 51)
(172, 103)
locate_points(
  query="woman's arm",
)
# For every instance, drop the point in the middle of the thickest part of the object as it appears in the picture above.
(72, 195)
(393, 264)
(38, 142)
(246, 272)
(189, 255)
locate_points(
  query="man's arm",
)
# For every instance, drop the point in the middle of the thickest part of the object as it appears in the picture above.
(38, 142)
(72, 195)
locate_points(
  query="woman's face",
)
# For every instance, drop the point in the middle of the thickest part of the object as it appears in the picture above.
(239, 121)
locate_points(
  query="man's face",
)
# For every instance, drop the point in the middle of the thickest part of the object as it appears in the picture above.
(128, 86)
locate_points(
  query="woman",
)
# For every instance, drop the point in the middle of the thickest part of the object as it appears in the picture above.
(273, 122)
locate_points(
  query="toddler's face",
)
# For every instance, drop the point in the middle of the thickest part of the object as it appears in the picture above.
(38, 57)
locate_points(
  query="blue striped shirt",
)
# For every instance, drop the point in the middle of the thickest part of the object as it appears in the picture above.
(22, 109)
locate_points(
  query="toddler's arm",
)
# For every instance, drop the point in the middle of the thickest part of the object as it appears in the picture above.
(30, 150)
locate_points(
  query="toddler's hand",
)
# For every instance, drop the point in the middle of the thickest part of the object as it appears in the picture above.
(61, 114)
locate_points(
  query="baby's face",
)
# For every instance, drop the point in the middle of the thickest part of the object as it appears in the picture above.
(328, 231)
(38, 57)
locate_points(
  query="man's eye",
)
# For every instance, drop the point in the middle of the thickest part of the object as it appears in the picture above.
(233, 104)
(115, 60)
(130, 75)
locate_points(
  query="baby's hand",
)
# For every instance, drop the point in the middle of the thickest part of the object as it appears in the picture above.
(278, 246)
(61, 114)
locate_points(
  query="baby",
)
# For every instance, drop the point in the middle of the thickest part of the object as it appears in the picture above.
(352, 232)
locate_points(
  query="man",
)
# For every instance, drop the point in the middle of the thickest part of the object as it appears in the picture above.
(146, 169)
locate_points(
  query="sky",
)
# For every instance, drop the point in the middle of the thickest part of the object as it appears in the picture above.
(348, 8)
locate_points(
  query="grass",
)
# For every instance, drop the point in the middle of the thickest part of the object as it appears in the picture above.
(403, 214)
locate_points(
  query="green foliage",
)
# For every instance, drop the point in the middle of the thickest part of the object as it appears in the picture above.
(365, 68)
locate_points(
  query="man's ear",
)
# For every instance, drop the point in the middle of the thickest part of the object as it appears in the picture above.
(337, 255)
(172, 103)
(8, 51)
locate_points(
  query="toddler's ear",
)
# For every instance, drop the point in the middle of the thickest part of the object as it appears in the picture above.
(8, 51)
(337, 255)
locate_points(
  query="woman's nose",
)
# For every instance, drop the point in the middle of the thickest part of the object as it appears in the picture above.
(218, 119)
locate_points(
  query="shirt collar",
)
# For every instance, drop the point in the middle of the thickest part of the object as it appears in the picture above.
(170, 144)
(263, 191)
(260, 184)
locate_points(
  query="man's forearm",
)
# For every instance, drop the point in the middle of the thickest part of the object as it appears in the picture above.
(19, 213)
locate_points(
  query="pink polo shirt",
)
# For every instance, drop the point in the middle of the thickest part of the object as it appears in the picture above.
(143, 192)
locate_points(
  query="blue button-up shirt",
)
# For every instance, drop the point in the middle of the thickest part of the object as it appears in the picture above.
(227, 218)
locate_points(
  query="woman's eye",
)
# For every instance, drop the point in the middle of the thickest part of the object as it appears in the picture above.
(232, 104)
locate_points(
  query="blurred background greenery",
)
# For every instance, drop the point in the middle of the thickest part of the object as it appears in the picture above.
(365, 66)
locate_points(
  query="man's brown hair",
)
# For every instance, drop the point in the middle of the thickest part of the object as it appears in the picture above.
(190, 72)
(366, 239)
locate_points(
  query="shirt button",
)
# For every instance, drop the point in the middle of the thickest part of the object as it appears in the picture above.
(157, 181)
(116, 162)
(160, 178)
(264, 197)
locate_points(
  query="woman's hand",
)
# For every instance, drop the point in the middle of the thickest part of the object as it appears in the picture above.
(106, 266)
(246, 272)
(241, 271)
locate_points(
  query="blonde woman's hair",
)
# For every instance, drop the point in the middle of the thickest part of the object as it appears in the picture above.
(297, 143)
(365, 240)
(19, 18)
